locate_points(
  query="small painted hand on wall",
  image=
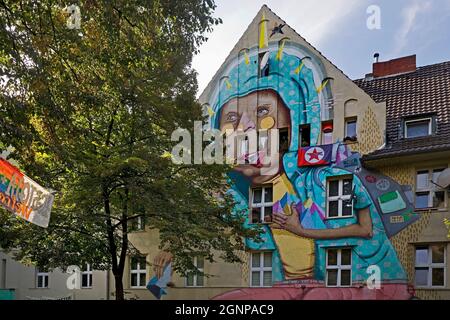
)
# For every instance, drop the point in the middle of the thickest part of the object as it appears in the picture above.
(291, 223)
(161, 260)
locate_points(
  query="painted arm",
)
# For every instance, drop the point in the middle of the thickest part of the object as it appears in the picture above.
(362, 229)
(161, 260)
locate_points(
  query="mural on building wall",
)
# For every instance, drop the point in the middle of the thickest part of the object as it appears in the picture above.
(327, 219)
(158, 286)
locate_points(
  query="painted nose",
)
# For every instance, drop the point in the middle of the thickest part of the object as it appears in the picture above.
(246, 123)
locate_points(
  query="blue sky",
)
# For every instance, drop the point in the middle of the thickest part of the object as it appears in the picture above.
(338, 29)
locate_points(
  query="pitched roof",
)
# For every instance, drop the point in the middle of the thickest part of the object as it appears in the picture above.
(255, 22)
(425, 91)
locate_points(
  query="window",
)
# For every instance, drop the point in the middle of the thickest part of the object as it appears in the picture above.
(428, 194)
(283, 140)
(194, 279)
(264, 64)
(339, 267)
(137, 224)
(244, 149)
(305, 135)
(263, 140)
(339, 197)
(351, 129)
(86, 277)
(261, 269)
(327, 132)
(41, 279)
(138, 272)
(262, 204)
(418, 128)
(430, 266)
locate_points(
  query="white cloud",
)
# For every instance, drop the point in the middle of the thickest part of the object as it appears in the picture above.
(409, 16)
(314, 20)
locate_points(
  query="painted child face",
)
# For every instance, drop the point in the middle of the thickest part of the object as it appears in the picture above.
(262, 110)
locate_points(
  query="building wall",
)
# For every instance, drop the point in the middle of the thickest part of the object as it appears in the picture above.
(430, 229)
(222, 276)
(348, 101)
(22, 278)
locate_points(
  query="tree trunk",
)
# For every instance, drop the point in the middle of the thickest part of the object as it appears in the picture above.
(117, 270)
(119, 287)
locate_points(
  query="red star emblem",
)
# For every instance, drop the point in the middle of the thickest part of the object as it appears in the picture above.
(315, 155)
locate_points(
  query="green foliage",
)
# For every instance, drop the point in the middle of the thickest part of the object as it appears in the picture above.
(90, 113)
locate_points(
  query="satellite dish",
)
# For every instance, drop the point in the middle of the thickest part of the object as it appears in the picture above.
(264, 60)
(444, 178)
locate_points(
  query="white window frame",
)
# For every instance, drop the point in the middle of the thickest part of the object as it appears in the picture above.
(325, 136)
(340, 197)
(261, 205)
(90, 277)
(347, 121)
(248, 144)
(263, 139)
(329, 135)
(430, 126)
(339, 267)
(195, 275)
(430, 265)
(44, 275)
(244, 146)
(261, 269)
(136, 224)
(138, 271)
(140, 225)
(431, 188)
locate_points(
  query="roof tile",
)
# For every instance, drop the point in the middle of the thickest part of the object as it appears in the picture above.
(424, 91)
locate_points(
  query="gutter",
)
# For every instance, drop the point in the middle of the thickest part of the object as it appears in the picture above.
(397, 154)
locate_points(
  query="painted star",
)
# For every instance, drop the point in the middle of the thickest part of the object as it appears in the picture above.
(314, 155)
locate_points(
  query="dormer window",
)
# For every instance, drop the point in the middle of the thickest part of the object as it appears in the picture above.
(416, 128)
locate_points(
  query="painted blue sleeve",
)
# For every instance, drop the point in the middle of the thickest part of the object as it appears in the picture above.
(362, 199)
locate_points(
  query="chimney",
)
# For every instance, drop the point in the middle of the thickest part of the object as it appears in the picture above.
(376, 57)
(393, 67)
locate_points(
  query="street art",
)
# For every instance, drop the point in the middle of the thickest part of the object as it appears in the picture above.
(158, 286)
(322, 205)
(24, 197)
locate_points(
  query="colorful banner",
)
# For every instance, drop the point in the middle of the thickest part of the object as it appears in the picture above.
(24, 197)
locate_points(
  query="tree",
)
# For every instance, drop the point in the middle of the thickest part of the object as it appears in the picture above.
(90, 111)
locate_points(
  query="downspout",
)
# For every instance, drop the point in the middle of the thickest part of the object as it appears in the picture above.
(107, 283)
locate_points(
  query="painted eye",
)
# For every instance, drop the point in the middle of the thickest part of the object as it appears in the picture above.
(262, 111)
(232, 117)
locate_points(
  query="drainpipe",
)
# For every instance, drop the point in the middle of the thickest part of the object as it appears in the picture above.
(107, 284)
